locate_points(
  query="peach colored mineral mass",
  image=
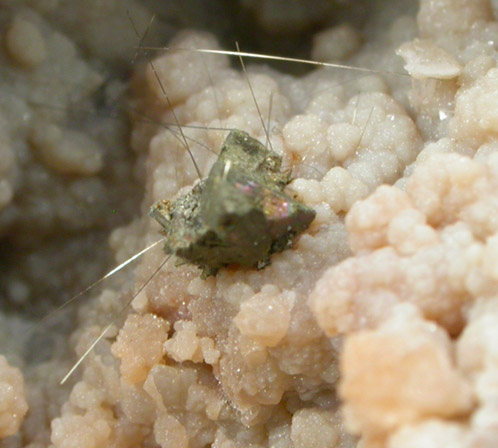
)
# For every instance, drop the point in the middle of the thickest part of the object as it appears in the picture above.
(13, 406)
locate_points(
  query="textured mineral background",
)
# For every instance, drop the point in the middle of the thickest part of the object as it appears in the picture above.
(378, 329)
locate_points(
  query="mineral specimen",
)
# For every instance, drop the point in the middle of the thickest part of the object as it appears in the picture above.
(239, 215)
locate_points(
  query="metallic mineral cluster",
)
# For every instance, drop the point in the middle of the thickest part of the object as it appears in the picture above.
(239, 215)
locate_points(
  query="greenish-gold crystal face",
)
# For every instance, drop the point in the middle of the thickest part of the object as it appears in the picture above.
(239, 215)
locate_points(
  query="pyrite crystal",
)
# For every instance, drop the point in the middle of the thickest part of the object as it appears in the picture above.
(239, 215)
